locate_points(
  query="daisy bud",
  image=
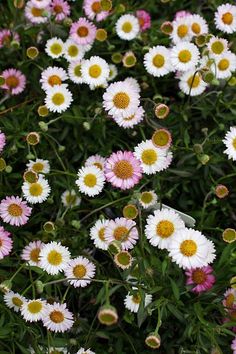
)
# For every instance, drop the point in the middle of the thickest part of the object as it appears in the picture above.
(8, 169)
(162, 138)
(73, 341)
(2, 80)
(107, 315)
(221, 191)
(33, 138)
(204, 159)
(30, 156)
(106, 5)
(120, 8)
(43, 126)
(32, 52)
(30, 176)
(87, 126)
(114, 247)
(5, 286)
(167, 27)
(49, 226)
(39, 286)
(208, 76)
(197, 148)
(229, 235)
(13, 149)
(67, 22)
(200, 40)
(161, 111)
(19, 4)
(76, 224)
(123, 259)
(129, 60)
(232, 81)
(116, 58)
(2, 164)
(130, 211)
(43, 111)
(153, 341)
(101, 35)
(15, 44)
(61, 148)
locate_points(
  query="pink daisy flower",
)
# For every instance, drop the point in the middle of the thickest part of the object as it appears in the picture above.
(36, 14)
(83, 31)
(6, 36)
(15, 211)
(60, 9)
(2, 141)
(201, 278)
(93, 11)
(31, 252)
(6, 243)
(144, 19)
(14, 81)
(229, 298)
(182, 14)
(123, 169)
(233, 346)
(122, 230)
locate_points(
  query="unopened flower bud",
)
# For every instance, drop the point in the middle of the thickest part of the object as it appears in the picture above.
(221, 191)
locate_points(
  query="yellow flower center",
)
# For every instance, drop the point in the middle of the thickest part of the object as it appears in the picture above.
(95, 71)
(54, 80)
(234, 143)
(58, 99)
(121, 233)
(101, 233)
(182, 31)
(123, 258)
(129, 118)
(217, 47)
(223, 64)
(165, 228)
(99, 165)
(96, 7)
(56, 316)
(227, 18)
(79, 271)
(34, 255)
(38, 167)
(58, 9)
(73, 50)
(123, 169)
(198, 276)
(188, 248)
(158, 61)
(136, 299)
(12, 81)
(184, 56)
(36, 12)
(54, 258)
(35, 306)
(90, 180)
(229, 300)
(127, 27)
(160, 138)
(77, 70)
(196, 28)
(35, 189)
(194, 81)
(82, 31)
(146, 197)
(15, 210)
(121, 100)
(149, 157)
(56, 48)
(17, 301)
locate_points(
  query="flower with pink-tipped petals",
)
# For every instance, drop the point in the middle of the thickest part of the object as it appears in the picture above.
(233, 345)
(2, 141)
(6, 243)
(122, 230)
(14, 211)
(93, 10)
(144, 19)
(182, 14)
(201, 278)
(123, 169)
(60, 9)
(6, 36)
(14, 81)
(83, 31)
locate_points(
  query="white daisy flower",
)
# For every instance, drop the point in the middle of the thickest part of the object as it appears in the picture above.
(130, 121)
(217, 46)
(81, 269)
(34, 14)
(211, 254)
(40, 4)
(230, 143)
(58, 98)
(120, 99)
(134, 83)
(225, 18)
(181, 30)
(84, 351)
(36, 192)
(54, 257)
(189, 249)
(90, 180)
(127, 27)
(33, 310)
(39, 166)
(96, 160)
(157, 61)
(198, 25)
(147, 199)
(224, 66)
(73, 51)
(122, 230)
(74, 72)
(52, 76)
(30, 253)
(70, 199)
(162, 227)
(132, 302)
(184, 56)
(97, 234)
(191, 83)
(113, 72)
(152, 159)
(14, 300)
(54, 47)
(95, 71)
(57, 318)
